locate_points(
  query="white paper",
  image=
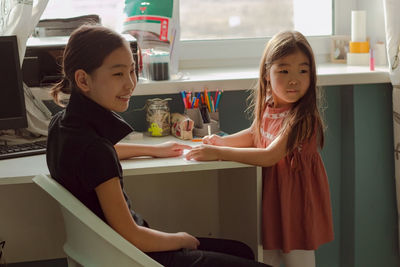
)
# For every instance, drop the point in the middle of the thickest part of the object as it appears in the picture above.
(21, 19)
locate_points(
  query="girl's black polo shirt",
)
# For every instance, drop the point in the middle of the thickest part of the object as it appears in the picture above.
(80, 149)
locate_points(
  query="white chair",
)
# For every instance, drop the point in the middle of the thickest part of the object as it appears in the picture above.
(89, 240)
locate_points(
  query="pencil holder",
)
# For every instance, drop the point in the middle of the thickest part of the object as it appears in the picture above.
(203, 131)
(195, 115)
(215, 116)
(205, 123)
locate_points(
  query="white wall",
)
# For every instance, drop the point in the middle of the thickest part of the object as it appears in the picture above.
(375, 17)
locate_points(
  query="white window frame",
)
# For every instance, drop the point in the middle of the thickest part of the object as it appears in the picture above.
(247, 51)
(237, 52)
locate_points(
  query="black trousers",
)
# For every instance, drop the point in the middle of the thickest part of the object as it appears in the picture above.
(211, 252)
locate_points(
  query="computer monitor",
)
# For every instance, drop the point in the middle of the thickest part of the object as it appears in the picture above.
(12, 103)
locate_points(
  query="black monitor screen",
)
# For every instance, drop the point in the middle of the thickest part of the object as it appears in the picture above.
(12, 105)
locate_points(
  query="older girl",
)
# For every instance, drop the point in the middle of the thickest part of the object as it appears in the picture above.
(83, 152)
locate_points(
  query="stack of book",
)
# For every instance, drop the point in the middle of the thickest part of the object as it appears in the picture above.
(63, 26)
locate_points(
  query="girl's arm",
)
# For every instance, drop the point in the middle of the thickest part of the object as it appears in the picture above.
(118, 216)
(254, 156)
(167, 149)
(240, 139)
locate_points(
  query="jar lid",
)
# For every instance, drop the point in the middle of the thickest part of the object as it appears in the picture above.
(157, 100)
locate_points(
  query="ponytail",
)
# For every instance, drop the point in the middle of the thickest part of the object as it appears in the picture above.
(64, 86)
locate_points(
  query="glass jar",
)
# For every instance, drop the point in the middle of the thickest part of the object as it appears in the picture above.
(158, 117)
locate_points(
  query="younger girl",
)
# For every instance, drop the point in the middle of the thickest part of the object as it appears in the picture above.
(284, 139)
(83, 154)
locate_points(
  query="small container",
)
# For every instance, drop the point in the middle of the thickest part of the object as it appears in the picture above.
(155, 65)
(158, 117)
(371, 60)
(195, 115)
(159, 66)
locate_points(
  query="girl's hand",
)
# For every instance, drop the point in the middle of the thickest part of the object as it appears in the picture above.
(213, 139)
(188, 241)
(169, 149)
(203, 153)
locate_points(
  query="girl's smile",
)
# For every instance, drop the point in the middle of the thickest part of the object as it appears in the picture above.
(124, 97)
(112, 84)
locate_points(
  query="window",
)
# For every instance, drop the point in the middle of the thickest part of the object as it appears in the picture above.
(217, 19)
(232, 19)
(221, 32)
(234, 32)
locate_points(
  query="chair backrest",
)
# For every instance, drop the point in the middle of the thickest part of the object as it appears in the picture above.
(89, 240)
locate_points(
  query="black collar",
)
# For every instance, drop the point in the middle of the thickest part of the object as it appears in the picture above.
(106, 123)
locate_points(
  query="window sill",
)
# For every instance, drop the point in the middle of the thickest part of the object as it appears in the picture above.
(233, 79)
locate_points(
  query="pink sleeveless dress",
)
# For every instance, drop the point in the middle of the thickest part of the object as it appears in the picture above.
(296, 207)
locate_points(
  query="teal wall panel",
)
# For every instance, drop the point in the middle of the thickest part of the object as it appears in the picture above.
(233, 113)
(375, 204)
(347, 197)
(329, 254)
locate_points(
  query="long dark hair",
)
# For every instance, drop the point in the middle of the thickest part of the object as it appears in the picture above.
(86, 49)
(304, 118)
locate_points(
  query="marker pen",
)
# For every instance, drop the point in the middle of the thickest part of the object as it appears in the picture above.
(371, 60)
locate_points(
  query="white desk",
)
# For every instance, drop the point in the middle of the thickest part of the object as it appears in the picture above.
(217, 199)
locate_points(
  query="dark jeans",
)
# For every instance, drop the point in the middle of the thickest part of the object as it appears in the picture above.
(211, 252)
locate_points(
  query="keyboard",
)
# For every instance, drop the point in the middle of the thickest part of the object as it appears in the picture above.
(22, 150)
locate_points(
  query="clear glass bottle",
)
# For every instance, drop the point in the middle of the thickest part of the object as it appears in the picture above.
(158, 117)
